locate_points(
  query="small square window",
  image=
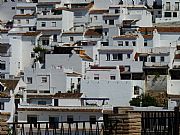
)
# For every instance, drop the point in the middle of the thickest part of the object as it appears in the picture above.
(174, 14)
(71, 38)
(105, 21)
(162, 59)
(134, 43)
(112, 77)
(95, 17)
(92, 119)
(18, 21)
(96, 76)
(127, 43)
(128, 56)
(43, 79)
(120, 43)
(43, 24)
(108, 57)
(111, 22)
(70, 119)
(53, 24)
(22, 11)
(1, 105)
(29, 80)
(136, 90)
(153, 59)
(145, 43)
(13, 8)
(32, 54)
(27, 21)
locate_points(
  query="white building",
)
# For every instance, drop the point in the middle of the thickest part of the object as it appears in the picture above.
(170, 11)
(51, 79)
(116, 83)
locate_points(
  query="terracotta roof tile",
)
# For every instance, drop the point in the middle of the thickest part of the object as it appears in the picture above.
(93, 32)
(31, 33)
(9, 84)
(60, 109)
(147, 36)
(98, 11)
(23, 16)
(126, 37)
(159, 29)
(4, 95)
(85, 57)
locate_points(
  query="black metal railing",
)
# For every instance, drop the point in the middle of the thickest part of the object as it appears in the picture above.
(160, 122)
(58, 128)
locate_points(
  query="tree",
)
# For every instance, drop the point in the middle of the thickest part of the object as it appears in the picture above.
(145, 100)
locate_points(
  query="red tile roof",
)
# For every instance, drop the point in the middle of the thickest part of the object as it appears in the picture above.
(61, 109)
(159, 29)
(126, 37)
(31, 33)
(93, 32)
(98, 11)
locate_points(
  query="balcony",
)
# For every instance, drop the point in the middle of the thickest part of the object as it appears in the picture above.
(156, 64)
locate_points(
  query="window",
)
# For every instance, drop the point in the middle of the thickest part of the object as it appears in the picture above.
(45, 42)
(174, 14)
(53, 122)
(41, 102)
(19, 64)
(95, 17)
(105, 21)
(32, 54)
(143, 58)
(43, 24)
(118, 56)
(111, 22)
(21, 11)
(13, 0)
(105, 33)
(128, 56)
(176, 6)
(136, 90)
(108, 57)
(71, 38)
(2, 66)
(92, 119)
(70, 118)
(145, 43)
(120, 43)
(162, 59)
(96, 76)
(168, 6)
(159, 12)
(127, 43)
(1, 105)
(153, 59)
(53, 24)
(27, 21)
(5, 1)
(112, 77)
(13, 8)
(167, 14)
(18, 21)
(134, 43)
(55, 102)
(32, 119)
(29, 80)
(43, 79)
(116, 11)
